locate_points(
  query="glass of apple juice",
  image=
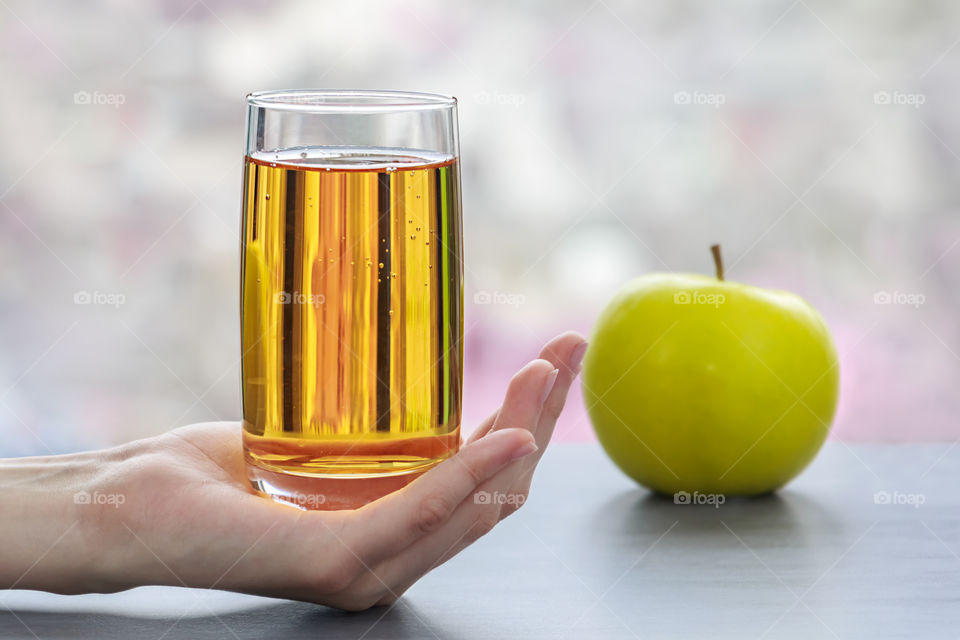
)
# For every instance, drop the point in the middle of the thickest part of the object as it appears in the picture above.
(351, 296)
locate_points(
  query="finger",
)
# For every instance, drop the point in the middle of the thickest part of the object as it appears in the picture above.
(387, 526)
(484, 427)
(470, 522)
(523, 404)
(566, 353)
(473, 518)
(514, 410)
(526, 393)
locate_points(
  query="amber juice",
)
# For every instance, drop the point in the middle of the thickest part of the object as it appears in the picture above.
(351, 312)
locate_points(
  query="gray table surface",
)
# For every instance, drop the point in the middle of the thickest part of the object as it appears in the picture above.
(593, 556)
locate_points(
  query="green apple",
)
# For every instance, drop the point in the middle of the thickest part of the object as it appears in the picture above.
(694, 383)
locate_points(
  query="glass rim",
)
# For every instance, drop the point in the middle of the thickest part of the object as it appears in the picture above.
(349, 100)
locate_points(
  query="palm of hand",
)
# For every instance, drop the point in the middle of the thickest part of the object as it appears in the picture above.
(190, 517)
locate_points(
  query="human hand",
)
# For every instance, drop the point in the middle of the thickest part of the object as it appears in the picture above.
(183, 512)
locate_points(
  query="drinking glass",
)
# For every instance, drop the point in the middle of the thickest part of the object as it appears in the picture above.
(351, 292)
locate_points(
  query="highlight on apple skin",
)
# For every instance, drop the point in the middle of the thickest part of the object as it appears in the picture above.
(695, 383)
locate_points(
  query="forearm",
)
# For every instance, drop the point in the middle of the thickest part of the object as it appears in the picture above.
(44, 528)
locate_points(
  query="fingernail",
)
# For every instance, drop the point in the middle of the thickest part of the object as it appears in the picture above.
(576, 358)
(524, 450)
(548, 387)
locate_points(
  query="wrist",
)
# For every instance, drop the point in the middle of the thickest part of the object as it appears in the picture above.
(49, 512)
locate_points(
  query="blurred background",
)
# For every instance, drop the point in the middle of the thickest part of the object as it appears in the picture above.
(816, 141)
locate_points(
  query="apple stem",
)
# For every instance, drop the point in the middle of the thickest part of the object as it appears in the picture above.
(717, 260)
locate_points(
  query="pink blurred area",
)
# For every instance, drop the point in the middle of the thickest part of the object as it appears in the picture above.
(878, 400)
(493, 356)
